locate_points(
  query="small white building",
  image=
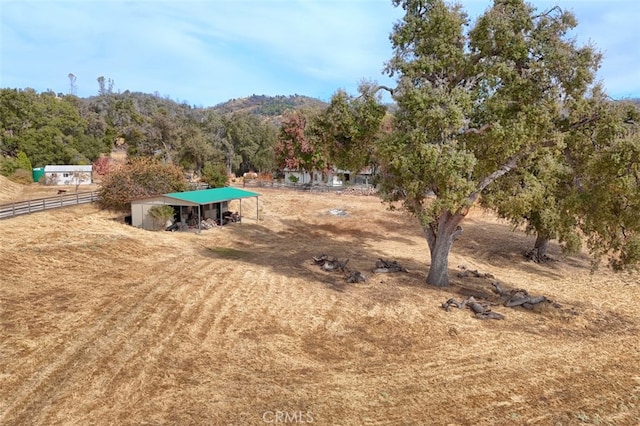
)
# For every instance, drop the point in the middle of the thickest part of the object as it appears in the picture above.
(317, 177)
(68, 175)
(334, 177)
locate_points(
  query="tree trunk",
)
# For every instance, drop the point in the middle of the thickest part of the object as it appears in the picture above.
(167, 153)
(539, 252)
(541, 245)
(440, 236)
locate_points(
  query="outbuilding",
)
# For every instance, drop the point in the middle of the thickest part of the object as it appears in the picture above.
(191, 207)
(67, 175)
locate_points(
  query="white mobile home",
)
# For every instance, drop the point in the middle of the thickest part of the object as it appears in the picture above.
(332, 177)
(68, 175)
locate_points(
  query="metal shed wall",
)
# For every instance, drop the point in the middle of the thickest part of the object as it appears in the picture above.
(140, 217)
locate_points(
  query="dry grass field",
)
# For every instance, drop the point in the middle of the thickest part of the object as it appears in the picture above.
(102, 323)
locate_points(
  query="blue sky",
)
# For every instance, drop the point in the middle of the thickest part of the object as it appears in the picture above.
(205, 52)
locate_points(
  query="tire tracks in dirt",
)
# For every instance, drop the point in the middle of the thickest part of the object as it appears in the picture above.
(99, 354)
(84, 349)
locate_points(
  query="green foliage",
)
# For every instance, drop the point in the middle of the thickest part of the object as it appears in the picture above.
(52, 129)
(269, 107)
(476, 102)
(23, 161)
(161, 214)
(610, 200)
(250, 143)
(140, 177)
(215, 175)
(8, 165)
(540, 198)
(47, 128)
(347, 130)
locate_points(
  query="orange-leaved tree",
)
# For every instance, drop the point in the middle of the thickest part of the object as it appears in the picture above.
(139, 177)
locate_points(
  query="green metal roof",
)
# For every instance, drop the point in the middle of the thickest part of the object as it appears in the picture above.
(210, 196)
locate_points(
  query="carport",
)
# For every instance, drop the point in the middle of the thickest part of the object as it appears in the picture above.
(206, 203)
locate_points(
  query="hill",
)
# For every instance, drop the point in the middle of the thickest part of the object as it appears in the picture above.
(103, 323)
(9, 191)
(270, 107)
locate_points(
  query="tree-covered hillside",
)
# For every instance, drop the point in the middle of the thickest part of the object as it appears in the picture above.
(49, 128)
(270, 107)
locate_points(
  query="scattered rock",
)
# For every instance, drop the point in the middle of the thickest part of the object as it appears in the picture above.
(333, 264)
(385, 266)
(472, 273)
(481, 311)
(355, 277)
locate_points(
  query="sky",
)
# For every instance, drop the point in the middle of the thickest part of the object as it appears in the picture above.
(206, 52)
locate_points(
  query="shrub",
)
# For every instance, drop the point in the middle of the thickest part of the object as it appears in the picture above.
(138, 178)
(215, 175)
(102, 165)
(24, 162)
(161, 214)
(8, 166)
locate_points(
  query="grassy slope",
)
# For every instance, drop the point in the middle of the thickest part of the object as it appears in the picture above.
(106, 324)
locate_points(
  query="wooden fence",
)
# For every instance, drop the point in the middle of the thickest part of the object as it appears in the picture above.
(40, 204)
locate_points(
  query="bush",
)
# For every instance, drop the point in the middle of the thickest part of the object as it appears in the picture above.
(215, 175)
(102, 165)
(161, 214)
(24, 162)
(138, 178)
(8, 166)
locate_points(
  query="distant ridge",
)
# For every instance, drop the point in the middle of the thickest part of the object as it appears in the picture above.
(268, 106)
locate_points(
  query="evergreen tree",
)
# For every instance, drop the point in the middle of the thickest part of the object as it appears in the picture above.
(474, 103)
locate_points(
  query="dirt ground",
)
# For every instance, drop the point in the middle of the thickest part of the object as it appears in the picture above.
(13, 192)
(102, 323)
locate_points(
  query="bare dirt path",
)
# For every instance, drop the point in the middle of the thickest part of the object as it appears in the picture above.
(101, 323)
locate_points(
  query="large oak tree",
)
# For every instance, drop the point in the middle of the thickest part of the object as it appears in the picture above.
(474, 103)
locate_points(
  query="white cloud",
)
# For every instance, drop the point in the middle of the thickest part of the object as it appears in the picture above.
(208, 51)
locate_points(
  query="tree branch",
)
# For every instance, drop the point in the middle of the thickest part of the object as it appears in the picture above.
(583, 122)
(479, 131)
(510, 164)
(388, 89)
(548, 12)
